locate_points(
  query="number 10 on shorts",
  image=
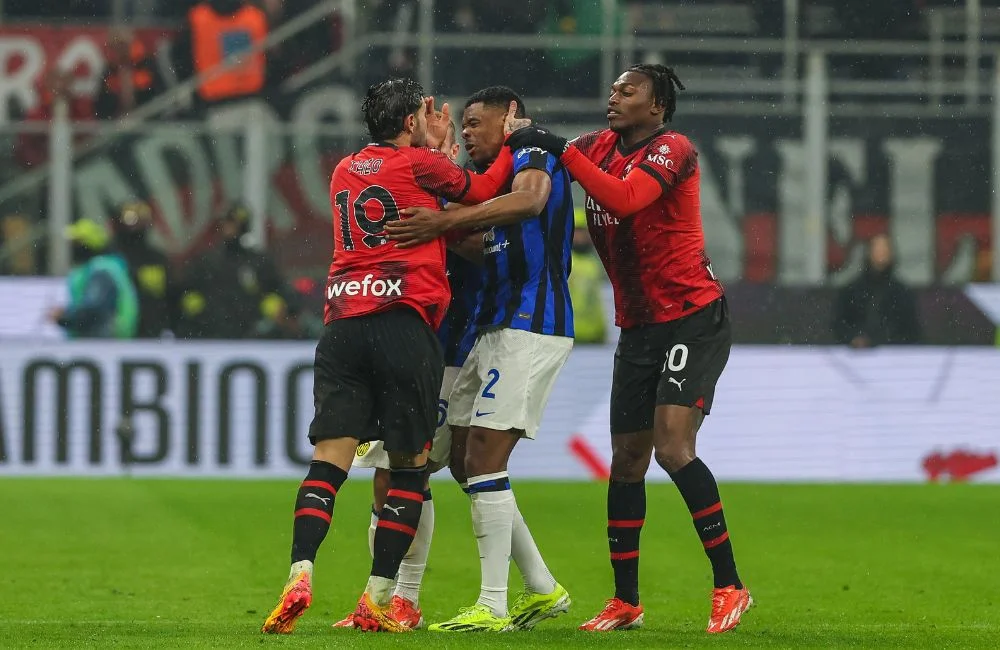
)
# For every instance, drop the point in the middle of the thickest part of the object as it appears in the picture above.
(677, 358)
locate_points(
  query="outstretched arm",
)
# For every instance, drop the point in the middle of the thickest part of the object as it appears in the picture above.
(483, 187)
(641, 187)
(527, 198)
(437, 174)
(620, 197)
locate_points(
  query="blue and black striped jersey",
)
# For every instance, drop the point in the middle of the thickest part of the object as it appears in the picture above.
(457, 333)
(527, 264)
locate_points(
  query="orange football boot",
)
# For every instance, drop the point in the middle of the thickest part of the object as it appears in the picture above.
(616, 615)
(403, 611)
(728, 605)
(295, 600)
(369, 617)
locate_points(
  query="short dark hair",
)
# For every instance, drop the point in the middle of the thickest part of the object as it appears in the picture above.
(497, 96)
(388, 104)
(665, 86)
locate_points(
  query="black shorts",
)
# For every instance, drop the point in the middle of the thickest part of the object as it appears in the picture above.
(378, 377)
(678, 362)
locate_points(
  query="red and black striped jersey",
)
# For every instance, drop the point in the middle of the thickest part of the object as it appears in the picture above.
(655, 257)
(369, 273)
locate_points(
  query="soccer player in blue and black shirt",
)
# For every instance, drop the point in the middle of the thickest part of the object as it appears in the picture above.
(525, 333)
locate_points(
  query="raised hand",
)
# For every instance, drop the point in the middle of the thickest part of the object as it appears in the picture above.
(419, 226)
(437, 122)
(511, 122)
(533, 136)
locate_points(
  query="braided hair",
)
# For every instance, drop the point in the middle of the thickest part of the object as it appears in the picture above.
(665, 86)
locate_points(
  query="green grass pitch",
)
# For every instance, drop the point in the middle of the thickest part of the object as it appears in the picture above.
(192, 564)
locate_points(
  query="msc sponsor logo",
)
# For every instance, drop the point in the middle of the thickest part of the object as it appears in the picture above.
(660, 159)
(369, 286)
(363, 449)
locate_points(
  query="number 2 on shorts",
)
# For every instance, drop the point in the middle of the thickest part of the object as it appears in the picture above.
(494, 376)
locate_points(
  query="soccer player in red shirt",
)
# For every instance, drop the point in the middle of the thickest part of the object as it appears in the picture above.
(642, 182)
(456, 335)
(379, 365)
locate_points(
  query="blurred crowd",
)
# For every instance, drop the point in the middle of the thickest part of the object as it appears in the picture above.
(123, 286)
(207, 31)
(134, 74)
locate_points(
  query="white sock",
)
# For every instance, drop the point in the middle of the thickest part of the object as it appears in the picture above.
(380, 589)
(411, 569)
(493, 521)
(299, 567)
(537, 577)
(372, 527)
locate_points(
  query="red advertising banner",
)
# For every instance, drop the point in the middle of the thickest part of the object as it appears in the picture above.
(28, 53)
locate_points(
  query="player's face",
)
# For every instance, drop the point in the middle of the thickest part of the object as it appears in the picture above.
(418, 135)
(631, 103)
(449, 147)
(482, 131)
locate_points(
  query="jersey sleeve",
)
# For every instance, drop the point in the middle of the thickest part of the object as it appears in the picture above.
(484, 187)
(621, 197)
(437, 174)
(534, 158)
(586, 142)
(669, 159)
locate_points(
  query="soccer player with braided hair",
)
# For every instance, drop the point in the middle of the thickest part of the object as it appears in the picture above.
(642, 183)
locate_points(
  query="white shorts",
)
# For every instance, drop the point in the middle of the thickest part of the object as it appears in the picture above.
(371, 454)
(506, 382)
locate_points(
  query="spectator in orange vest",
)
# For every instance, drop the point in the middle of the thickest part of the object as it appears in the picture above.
(217, 29)
(130, 79)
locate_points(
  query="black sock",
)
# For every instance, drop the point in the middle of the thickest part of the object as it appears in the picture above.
(314, 508)
(626, 514)
(398, 521)
(701, 494)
